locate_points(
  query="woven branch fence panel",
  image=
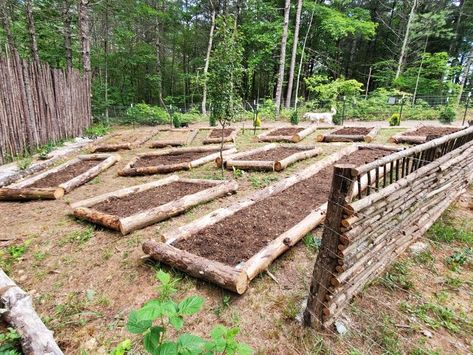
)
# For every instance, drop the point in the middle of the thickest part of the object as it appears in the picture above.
(365, 232)
(39, 104)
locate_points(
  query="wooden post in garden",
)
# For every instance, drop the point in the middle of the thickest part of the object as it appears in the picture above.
(327, 259)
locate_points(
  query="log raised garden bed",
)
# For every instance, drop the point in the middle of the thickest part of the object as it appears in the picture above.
(271, 157)
(349, 134)
(232, 245)
(419, 135)
(215, 135)
(174, 137)
(173, 159)
(54, 183)
(287, 134)
(136, 207)
(125, 140)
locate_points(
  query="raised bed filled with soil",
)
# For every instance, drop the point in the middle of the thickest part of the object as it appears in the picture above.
(125, 140)
(54, 183)
(349, 134)
(423, 134)
(271, 157)
(173, 159)
(232, 245)
(136, 207)
(215, 135)
(287, 134)
(174, 137)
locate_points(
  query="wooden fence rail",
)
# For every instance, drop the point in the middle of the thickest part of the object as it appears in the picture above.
(365, 232)
(39, 104)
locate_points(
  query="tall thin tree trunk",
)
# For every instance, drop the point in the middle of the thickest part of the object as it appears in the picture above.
(405, 42)
(105, 45)
(290, 81)
(419, 71)
(67, 19)
(207, 60)
(84, 28)
(464, 76)
(31, 30)
(282, 59)
(159, 73)
(302, 60)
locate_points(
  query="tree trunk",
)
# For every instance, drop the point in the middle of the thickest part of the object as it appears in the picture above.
(31, 30)
(294, 54)
(419, 71)
(282, 58)
(302, 59)
(464, 77)
(105, 45)
(67, 19)
(207, 59)
(406, 39)
(84, 9)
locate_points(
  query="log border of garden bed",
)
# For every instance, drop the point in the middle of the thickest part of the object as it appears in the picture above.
(402, 138)
(130, 170)
(295, 138)
(230, 138)
(84, 209)
(331, 137)
(113, 147)
(191, 134)
(21, 192)
(237, 279)
(235, 161)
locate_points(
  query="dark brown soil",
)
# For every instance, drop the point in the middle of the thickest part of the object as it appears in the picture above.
(137, 202)
(238, 237)
(217, 133)
(289, 131)
(275, 154)
(353, 131)
(57, 178)
(171, 158)
(432, 131)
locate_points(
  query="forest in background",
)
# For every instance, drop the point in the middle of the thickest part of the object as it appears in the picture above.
(165, 52)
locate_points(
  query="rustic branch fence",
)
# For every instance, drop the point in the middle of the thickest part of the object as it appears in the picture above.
(366, 229)
(39, 104)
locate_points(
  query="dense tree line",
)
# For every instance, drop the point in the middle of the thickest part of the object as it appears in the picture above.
(161, 51)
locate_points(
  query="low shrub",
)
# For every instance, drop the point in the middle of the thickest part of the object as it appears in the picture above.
(447, 115)
(98, 129)
(295, 118)
(146, 114)
(395, 120)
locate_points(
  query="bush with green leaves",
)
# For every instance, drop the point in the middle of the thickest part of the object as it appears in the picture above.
(98, 129)
(294, 118)
(447, 115)
(146, 114)
(156, 317)
(268, 109)
(395, 120)
(10, 342)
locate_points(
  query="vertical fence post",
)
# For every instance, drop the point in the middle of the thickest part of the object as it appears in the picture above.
(327, 260)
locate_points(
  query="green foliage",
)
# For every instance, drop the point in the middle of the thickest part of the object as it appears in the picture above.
(395, 120)
(80, 236)
(443, 232)
(459, 258)
(259, 182)
(312, 242)
(154, 319)
(122, 348)
(268, 109)
(294, 118)
(10, 342)
(12, 254)
(225, 71)
(447, 115)
(328, 91)
(146, 114)
(398, 277)
(98, 129)
(25, 162)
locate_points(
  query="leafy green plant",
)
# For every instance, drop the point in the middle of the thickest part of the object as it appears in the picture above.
(10, 342)
(395, 120)
(177, 120)
(447, 115)
(25, 162)
(459, 258)
(237, 173)
(398, 276)
(98, 129)
(260, 182)
(80, 236)
(445, 233)
(155, 318)
(122, 348)
(312, 242)
(294, 118)
(146, 114)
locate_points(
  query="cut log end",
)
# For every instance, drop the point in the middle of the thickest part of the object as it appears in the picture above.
(277, 166)
(319, 138)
